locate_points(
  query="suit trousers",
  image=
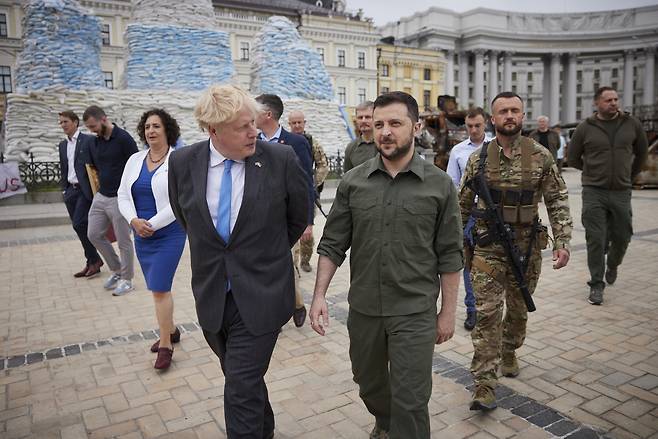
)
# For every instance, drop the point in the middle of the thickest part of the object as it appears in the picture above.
(244, 358)
(78, 208)
(392, 364)
(103, 212)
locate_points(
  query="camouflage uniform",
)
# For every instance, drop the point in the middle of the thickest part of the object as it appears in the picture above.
(492, 277)
(320, 173)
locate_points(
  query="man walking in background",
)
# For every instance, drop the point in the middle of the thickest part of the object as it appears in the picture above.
(610, 147)
(545, 136)
(272, 132)
(362, 148)
(109, 154)
(297, 124)
(73, 155)
(475, 125)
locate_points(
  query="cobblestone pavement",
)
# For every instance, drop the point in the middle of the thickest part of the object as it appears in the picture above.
(75, 363)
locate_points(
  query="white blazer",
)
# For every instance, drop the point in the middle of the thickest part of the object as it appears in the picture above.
(159, 186)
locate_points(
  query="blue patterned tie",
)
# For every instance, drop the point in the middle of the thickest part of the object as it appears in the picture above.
(224, 209)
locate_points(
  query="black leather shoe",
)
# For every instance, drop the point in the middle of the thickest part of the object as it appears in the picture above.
(471, 319)
(82, 273)
(299, 316)
(611, 275)
(94, 269)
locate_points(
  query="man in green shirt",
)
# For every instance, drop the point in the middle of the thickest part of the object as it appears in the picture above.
(399, 214)
(362, 148)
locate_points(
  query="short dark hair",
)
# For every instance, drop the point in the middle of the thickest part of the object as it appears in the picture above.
(69, 114)
(600, 90)
(395, 97)
(506, 95)
(475, 112)
(273, 103)
(93, 111)
(172, 130)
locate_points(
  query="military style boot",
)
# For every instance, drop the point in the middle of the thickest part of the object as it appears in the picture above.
(484, 398)
(378, 433)
(509, 367)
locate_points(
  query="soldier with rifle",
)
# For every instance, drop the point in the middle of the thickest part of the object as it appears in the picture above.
(509, 175)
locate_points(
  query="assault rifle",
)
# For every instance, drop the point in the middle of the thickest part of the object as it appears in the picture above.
(502, 232)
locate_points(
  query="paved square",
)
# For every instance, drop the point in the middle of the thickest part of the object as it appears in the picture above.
(75, 362)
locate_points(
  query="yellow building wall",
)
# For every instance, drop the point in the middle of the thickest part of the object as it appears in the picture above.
(406, 70)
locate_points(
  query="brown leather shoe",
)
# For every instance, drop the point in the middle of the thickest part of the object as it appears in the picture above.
(175, 338)
(299, 316)
(94, 269)
(164, 358)
(82, 273)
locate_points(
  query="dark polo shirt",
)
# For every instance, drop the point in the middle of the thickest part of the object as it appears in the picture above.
(110, 157)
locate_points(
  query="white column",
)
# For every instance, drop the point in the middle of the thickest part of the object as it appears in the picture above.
(546, 86)
(627, 100)
(649, 75)
(478, 87)
(554, 114)
(493, 75)
(463, 80)
(570, 112)
(507, 71)
(450, 73)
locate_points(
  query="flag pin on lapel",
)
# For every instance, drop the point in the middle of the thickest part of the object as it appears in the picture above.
(259, 164)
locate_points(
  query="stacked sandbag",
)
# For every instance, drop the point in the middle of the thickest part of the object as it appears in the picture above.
(172, 57)
(188, 13)
(61, 46)
(323, 121)
(285, 64)
(31, 121)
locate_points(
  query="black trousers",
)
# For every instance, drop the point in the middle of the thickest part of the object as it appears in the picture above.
(244, 358)
(78, 208)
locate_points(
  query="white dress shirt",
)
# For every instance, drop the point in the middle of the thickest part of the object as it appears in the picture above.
(459, 155)
(214, 183)
(70, 156)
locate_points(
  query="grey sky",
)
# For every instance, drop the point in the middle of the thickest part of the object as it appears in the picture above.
(384, 11)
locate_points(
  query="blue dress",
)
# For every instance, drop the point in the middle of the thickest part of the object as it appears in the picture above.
(160, 253)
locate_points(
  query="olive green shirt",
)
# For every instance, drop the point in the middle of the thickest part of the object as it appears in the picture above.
(403, 233)
(358, 151)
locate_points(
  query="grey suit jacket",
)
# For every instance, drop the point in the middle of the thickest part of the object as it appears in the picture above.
(257, 258)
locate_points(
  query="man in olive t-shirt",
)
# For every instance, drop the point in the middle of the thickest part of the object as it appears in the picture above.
(362, 148)
(399, 214)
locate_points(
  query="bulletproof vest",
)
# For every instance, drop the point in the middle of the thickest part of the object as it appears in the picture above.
(518, 203)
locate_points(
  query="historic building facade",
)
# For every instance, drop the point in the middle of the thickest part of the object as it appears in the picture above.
(554, 61)
(347, 42)
(419, 72)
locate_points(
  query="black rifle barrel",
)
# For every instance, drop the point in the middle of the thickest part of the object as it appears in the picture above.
(505, 237)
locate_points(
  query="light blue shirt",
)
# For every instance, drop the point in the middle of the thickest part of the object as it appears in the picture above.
(214, 183)
(274, 138)
(563, 143)
(459, 157)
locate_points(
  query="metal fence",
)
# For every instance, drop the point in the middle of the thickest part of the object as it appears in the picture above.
(38, 175)
(335, 165)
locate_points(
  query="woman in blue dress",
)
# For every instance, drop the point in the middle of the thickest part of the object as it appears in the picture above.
(159, 240)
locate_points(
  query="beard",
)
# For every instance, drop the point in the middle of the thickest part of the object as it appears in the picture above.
(399, 151)
(508, 132)
(103, 132)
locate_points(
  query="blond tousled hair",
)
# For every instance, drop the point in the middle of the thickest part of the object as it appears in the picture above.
(220, 104)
